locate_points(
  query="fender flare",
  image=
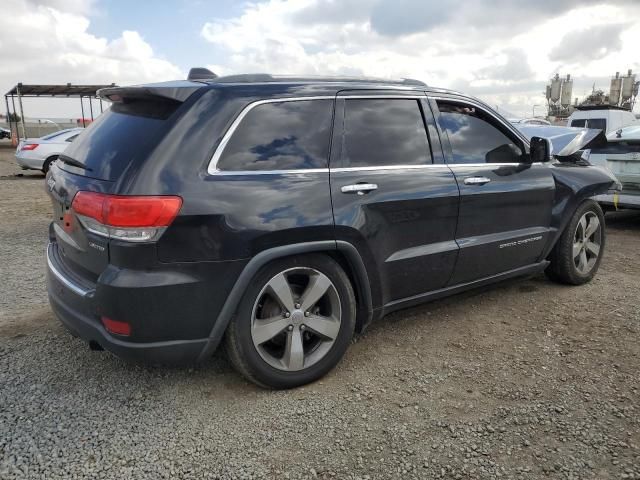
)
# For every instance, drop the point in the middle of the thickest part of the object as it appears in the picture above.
(233, 300)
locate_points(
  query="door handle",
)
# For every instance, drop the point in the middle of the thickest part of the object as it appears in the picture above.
(476, 180)
(359, 188)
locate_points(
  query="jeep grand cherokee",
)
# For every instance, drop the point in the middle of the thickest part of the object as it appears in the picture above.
(280, 216)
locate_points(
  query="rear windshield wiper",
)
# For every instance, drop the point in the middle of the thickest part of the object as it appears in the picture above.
(73, 162)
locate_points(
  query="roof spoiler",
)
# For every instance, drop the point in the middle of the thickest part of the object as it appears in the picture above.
(172, 91)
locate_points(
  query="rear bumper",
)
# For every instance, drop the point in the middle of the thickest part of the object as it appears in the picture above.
(27, 162)
(78, 307)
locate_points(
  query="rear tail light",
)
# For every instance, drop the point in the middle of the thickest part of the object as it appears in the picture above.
(131, 218)
(29, 146)
(115, 326)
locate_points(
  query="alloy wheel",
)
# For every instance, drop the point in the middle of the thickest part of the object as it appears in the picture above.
(587, 242)
(296, 319)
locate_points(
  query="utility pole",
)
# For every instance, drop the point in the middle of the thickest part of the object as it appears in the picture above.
(533, 111)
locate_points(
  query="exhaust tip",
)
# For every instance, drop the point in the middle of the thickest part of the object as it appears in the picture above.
(95, 346)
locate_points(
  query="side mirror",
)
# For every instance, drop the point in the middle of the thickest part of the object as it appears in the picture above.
(540, 149)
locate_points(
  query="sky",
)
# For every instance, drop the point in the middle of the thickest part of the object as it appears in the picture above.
(503, 51)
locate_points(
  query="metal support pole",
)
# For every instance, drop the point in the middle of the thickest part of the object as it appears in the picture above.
(91, 107)
(6, 101)
(82, 110)
(13, 102)
(24, 131)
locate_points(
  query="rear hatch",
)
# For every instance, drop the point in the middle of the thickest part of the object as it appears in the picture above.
(97, 161)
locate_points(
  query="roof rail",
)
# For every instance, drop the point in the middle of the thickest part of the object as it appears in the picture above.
(267, 77)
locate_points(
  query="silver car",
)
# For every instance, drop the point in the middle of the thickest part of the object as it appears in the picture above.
(621, 156)
(38, 153)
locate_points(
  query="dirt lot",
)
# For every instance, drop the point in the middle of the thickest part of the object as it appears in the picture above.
(528, 379)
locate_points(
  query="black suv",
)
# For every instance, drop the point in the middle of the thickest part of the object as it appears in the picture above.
(282, 215)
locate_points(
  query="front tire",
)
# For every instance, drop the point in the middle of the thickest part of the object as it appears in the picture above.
(576, 257)
(294, 323)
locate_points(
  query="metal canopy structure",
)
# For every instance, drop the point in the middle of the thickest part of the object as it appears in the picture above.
(21, 91)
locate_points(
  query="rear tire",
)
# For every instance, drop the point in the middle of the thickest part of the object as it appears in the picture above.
(47, 164)
(576, 257)
(294, 322)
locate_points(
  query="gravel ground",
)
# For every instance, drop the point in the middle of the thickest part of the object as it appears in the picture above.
(527, 379)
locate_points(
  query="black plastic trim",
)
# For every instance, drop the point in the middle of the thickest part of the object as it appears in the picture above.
(445, 292)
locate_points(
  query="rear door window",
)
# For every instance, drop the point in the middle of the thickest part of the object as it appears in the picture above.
(384, 132)
(289, 135)
(579, 123)
(475, 137)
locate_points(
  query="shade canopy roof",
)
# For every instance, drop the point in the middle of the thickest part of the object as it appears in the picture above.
(67, 90)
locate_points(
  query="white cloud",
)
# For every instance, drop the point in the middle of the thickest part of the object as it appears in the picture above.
(499, 50)
(49, 42)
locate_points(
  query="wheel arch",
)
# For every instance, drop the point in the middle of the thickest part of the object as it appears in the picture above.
(342, 252)
(50, 159)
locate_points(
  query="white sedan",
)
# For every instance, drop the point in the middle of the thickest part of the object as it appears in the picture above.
(38, 153)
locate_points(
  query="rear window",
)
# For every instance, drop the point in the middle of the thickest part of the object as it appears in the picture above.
(54, 134)
(121, 134)
(595, 123)
(281, 136)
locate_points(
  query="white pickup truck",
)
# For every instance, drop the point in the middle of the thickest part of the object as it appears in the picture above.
(621, 156)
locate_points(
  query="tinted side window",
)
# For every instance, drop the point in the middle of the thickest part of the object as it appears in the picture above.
(380, 132)
(579, 123)
(473, 138)
(281, 136)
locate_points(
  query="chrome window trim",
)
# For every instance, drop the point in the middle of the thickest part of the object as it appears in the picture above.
(364, 97)
(486, 165)
(212, 169)
(270, 172)
(388, 167)
(75, 288)
(362, 169)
